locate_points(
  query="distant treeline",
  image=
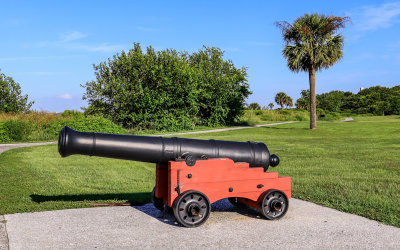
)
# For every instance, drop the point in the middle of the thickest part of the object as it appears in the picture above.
(375, 100)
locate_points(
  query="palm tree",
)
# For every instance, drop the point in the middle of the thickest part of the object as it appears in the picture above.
(271, 106)
(254, 106)
(280, 98)
(289, 101)
(311, 45)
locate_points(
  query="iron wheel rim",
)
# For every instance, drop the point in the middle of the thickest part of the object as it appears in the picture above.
(274, 205)
(192, 208)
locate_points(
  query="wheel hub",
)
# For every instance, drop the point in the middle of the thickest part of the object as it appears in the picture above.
(276, 205)
(193, 209)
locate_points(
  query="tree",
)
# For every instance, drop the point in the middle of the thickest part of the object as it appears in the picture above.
(281, 98)
(304, 101)
(271, 106)
(168, 89)
(289, 101)
(331, 101)
(378, 100)
(311, 45)
(11, 99)
(254, 106)
(374, 100)
(221, 87)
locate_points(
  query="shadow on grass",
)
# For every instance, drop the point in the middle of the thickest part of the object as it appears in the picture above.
(133, 198)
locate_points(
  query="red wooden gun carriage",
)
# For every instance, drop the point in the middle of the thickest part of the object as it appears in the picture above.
(191, 174)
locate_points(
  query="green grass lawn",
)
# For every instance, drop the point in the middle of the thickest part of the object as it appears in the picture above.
(350, 166)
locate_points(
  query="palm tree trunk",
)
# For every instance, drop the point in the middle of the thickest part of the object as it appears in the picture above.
(313, 102)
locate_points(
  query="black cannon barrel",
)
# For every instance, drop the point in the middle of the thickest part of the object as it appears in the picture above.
(161, 149)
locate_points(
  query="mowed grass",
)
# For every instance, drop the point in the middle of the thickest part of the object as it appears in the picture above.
(38, 179)
(350, 166)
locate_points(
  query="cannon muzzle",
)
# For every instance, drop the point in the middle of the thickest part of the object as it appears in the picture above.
(162, 149)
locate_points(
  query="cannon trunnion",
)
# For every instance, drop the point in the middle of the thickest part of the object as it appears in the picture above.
(191, 174)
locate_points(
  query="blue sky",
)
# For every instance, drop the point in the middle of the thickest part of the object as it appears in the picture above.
(49, 47)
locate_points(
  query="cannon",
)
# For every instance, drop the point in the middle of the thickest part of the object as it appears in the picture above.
(191, 174)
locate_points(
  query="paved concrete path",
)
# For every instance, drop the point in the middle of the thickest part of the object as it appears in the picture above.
(348, 119)
(5, 147)
(3, 234)
(226, 129)
(305, 226)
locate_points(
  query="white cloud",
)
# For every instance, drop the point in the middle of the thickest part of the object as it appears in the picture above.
(105, 47)
(72, 36)
(69, 41)
(65, 96)
(371, 18)
(98, 48)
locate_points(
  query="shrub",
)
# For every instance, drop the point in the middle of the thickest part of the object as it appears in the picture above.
(18, 130)
(91, 123)
(252, 117)
(325, 115)
(300, 118)
(285, 112)
(3, 134)
(72, 113)
(167, 89)
(321, 113)
(38, 126)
